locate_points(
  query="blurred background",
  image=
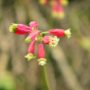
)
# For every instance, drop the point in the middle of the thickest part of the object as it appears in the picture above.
(68, 66)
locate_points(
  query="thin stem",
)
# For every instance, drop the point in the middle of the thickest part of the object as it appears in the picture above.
(46, 77)
(44, 33)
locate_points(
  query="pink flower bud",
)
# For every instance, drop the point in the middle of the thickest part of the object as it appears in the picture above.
(32, 36)
(20, 29)
(57, 32)
(57, 10)
(31, 50)
(31, 47)
(41, 51)
(60, 32)
(33, 25)
(46, 39)
(41, 55)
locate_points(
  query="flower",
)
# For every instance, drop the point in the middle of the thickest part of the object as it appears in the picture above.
(31, 50)
(32, 36)
(57, 32)
(20, 29)
(41, 55)
(53, 41)
(50, 38)
(46, 39)
(33, 25)
(60, 32)
(57, 10)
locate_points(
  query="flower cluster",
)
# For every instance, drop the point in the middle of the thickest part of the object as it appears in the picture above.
(56, 6)
(35, 36)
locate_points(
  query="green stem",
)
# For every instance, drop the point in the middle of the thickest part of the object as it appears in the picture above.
(46, 77)
(44, 33)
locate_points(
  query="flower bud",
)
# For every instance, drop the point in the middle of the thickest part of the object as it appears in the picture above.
(19, 29)
(31, 50)
(57, 32)
(31, 47)
(60, 32)
(41, 51)
(41, 55)
(57, 10)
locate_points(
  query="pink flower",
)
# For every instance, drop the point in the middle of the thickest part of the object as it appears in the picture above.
(31, 50)
(46, 39)
(32, 36)
(41, 52)
(33, 25)
(60, 32)
(20, 29)
(57, 32)
(41, 55)
(31, 47)
(57, 10)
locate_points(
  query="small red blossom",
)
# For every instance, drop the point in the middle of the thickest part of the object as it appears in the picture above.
(31, 51)
(57, 10)
(57, 32)
(60, 32)
(41, 54)
(31, 47)
(20, 29)
(41, 51)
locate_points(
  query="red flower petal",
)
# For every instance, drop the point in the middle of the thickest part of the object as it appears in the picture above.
(31, 47)
(57, 32)
(22, 29)
(41, 51)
